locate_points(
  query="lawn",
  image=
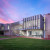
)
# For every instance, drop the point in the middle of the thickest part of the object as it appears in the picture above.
(24, 44)
(4, 37)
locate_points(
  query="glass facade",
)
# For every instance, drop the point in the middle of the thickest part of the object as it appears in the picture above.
(35, 33)
(29, 18)
(33, 17)
(8, 27)
(25, 20)
(33, 21)
(38, 16)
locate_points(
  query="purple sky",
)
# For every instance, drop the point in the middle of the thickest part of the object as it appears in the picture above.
(15, 10)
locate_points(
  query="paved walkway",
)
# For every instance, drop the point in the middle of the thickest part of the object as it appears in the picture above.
(4, 38)
(7, 38)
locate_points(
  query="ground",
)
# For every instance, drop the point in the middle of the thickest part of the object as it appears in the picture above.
(3, 36)
(24, 44)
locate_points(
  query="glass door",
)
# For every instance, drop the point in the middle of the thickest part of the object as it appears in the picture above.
(30, 32)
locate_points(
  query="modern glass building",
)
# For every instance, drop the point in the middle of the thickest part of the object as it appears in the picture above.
(33, 26)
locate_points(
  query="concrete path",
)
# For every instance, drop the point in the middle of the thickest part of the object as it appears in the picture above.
(4, 38)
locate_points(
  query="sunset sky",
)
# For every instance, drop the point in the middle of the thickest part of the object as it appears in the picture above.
(15, 10)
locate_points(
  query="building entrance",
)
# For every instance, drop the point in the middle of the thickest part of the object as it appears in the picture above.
(30, 33)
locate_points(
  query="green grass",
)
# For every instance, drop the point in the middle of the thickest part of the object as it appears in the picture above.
(24, 44)
(3, 36)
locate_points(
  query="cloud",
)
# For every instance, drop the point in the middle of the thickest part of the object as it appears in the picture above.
(10, 14)
(3, 21)
(11, 10)
(4, 17)
(10, 21)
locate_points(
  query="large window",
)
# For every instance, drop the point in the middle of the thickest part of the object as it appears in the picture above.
(38, 16)
(36, 22)
(38, 27)
(3, 28)
(33, 17)
(35, 27)
(29, 18)
(25, 20)
(8, 26)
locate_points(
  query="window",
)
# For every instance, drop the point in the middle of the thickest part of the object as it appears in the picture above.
(38, 17)
(35, 27)
(25, 19)
(36, 22)
(38, 27)
(8, 26)
(30, 32)
(29, 24)
(29, 18)
(2, 28)
(33, 17)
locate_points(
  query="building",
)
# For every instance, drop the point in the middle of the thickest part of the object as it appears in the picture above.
(4, 29)
(1, 29)
(33, 26)
(15, 28)
(7, 29)
(47, 25)
(12, 29)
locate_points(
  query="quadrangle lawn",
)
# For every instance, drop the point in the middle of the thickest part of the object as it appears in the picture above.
(24, 44)
(4, 37)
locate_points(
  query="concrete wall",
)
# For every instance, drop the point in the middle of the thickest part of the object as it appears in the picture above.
(47, 25)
